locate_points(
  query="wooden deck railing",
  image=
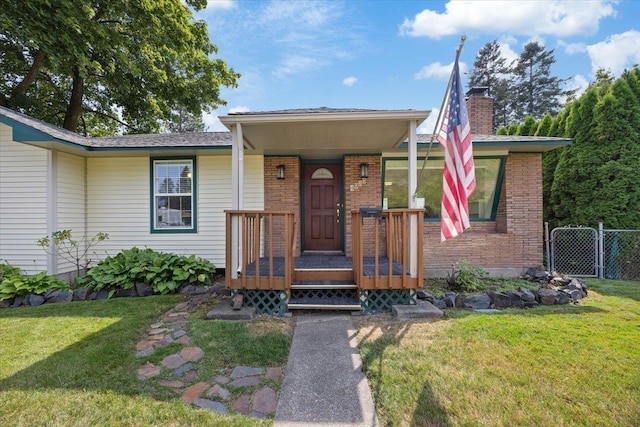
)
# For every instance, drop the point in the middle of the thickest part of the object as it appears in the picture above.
(259, 244)
(388, 248)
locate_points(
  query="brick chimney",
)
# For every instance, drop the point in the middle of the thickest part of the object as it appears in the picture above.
(480, 109)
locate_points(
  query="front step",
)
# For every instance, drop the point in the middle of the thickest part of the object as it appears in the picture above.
(324, 294)
(322, 274)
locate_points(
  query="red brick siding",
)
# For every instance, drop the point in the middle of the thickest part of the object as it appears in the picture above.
(358, 195)
(480, 109)
(514, 240)
(283, 194)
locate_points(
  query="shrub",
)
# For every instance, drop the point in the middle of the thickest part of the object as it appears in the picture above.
(164, 272)
(465, 277)
(74, 251)
(13, 284)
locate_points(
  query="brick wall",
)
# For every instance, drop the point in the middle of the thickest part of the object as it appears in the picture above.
(283, 194)
(507, 246)
(359, 195)
(480, 109)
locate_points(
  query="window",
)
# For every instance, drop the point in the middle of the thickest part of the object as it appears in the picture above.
(483, 203)
(173, 201)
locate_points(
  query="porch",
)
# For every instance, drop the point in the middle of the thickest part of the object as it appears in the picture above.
(383, 269)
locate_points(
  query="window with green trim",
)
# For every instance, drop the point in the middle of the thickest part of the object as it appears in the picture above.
(483, 203)
(173, 195)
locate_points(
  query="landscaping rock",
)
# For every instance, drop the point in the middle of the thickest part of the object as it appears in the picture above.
(102, 294)
(562, 298)
(210, 405)
(527, 295)
(126, 293)
(57, 295)
(182, 369)
(17, 301)
(500, 299)
(191, 375)
(148, 370)
(143, 289)
(274, 374)
(477, 301)
(221, 379)
(576, 295)
(6, 303)
(516, 298)
(33, 300)
(246, 381)
(173, 361)
(425, 296)
(242, 404)
(547, 296)
(145, 352)
(450, 299)
(172, 383)
(218, 391)
(440, 304)
(245, 371)
(192, 354)
(193, 392)
(265, 401)
(81, 294)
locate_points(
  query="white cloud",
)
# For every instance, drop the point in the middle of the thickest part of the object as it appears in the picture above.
(298, 64)
(507, 53)
(428, 126)
(220, 4)
(349, 81)
(212, 123)
(572, 48)
(239, 109)
(616, 53)
(438, 70)
(530, 18)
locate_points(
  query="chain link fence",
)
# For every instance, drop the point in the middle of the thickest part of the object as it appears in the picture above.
(587, 252)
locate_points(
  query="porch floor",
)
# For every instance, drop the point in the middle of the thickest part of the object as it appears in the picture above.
(328, 262)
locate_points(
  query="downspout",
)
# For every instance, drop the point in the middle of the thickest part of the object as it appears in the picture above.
(237, 196)
(413, 198)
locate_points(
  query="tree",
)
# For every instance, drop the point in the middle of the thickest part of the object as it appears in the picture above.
(183, 121)
(544, 126)
(490, 70)
(528, 127)
(537, 92)
(596, 177)
(108, 64)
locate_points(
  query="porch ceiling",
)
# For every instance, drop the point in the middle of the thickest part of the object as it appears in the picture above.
(324, 133)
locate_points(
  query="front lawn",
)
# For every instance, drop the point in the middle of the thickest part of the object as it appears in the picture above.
(73, 364)
(554, 365)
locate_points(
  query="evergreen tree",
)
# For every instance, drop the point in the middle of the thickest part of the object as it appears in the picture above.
(184, 121)
(536, 91)
(502, 130)
(528, 127)
(490, 70)
(544, 125)
(513, 129)
(596, 179)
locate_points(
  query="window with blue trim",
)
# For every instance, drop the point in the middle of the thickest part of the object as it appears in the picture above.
(173, 199)
(483, 203)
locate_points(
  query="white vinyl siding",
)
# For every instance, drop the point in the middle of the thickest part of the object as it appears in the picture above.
(118, 203)
(70, 201)
(23, 203)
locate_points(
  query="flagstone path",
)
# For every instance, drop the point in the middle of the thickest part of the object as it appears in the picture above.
(258, 399)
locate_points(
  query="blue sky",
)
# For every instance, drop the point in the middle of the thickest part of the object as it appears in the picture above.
(383, 54)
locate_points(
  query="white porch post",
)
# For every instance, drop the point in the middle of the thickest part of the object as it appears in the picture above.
(237, 194)
(413, 202)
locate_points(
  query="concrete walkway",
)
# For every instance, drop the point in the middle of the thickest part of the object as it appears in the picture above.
(324, 384)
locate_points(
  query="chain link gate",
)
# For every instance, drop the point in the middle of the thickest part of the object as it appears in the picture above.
(587, 252)
(574, 251)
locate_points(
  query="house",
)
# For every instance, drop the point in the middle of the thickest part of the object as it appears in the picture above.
(325, 187)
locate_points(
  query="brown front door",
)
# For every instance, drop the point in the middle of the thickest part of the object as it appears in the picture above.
(322, 228)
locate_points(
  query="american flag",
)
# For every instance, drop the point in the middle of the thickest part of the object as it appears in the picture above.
(459, 178)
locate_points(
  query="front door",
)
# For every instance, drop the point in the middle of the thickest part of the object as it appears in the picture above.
(322, 207)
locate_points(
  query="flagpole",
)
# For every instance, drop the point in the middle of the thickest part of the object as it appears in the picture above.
(440, 113)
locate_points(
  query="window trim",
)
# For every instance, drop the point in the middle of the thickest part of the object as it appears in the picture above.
(499, 184)
(194, 199)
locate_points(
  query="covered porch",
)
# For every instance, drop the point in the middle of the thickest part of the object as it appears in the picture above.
(324, 240)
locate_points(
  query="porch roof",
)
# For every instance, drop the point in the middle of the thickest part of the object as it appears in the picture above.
(324, 132)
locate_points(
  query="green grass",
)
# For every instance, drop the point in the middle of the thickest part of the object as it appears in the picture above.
(562, 365)
(74, 364)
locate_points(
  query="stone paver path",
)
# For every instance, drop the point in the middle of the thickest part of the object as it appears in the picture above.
(259, 400)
